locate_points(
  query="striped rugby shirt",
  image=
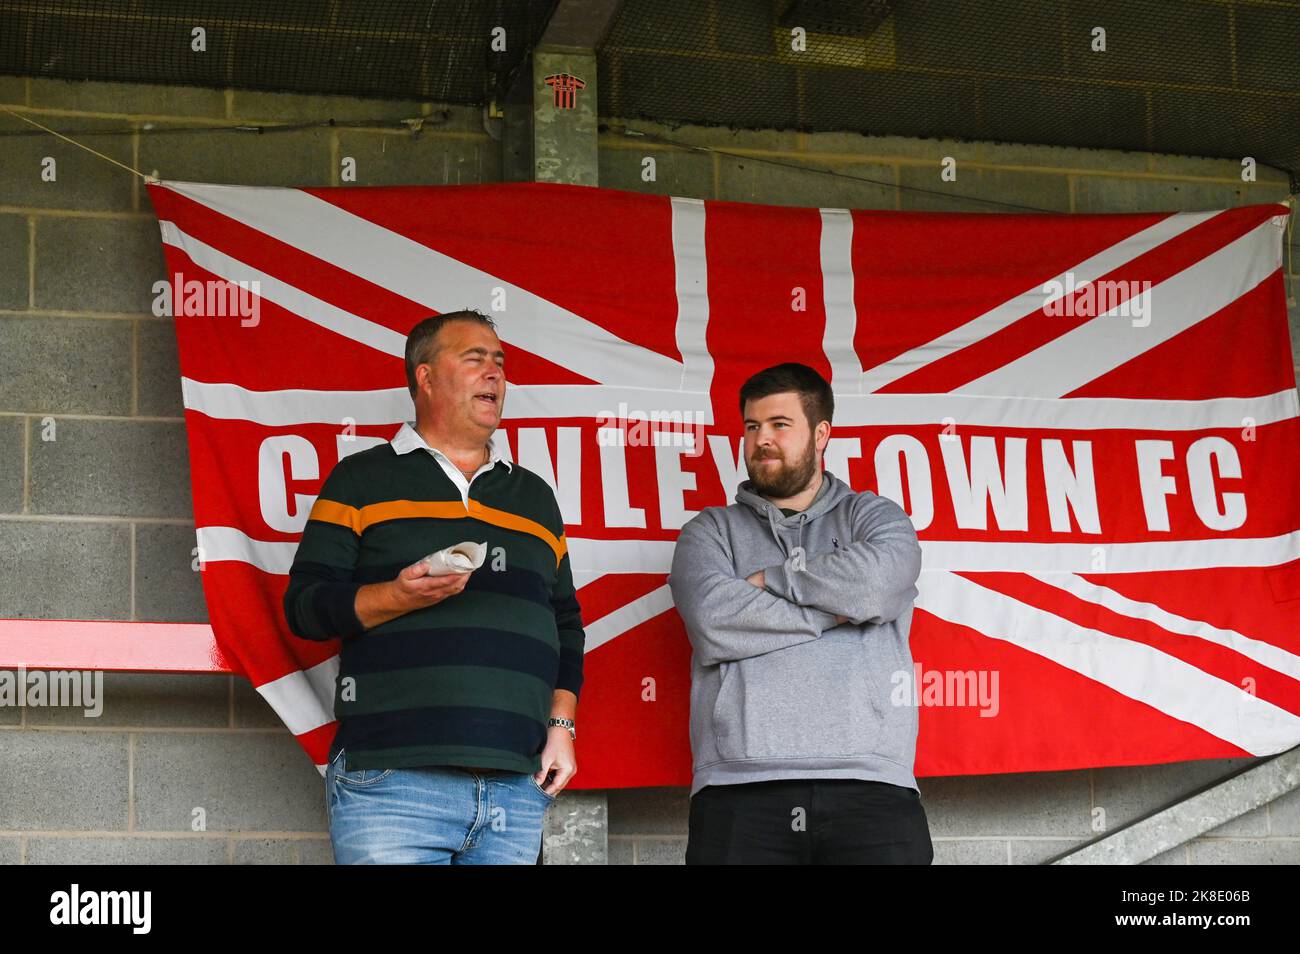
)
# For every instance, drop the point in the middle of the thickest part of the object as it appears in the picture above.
(467, 681)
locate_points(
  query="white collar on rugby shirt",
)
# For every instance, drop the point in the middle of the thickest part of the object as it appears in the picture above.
(408, 439)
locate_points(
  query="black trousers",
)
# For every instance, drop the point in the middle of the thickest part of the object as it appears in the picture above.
(808, 822)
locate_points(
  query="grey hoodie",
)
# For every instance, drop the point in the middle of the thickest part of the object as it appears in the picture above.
(778, 688)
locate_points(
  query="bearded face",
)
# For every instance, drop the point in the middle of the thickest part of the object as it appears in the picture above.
(776, 476)
(780, 448)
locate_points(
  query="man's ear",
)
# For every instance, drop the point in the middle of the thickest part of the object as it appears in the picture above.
(822, 435)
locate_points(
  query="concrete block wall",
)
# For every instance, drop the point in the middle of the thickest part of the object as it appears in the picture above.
(98, 524)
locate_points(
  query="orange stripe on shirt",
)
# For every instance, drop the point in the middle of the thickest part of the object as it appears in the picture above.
(511, 521)
(357, 520)
(331, 511)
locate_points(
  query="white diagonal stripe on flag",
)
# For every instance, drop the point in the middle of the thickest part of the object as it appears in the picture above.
(437, 281)
(1136, 670)
(305, 306)
(1266, 654)
(1032, 300)
(1100, 345)
(618, 622)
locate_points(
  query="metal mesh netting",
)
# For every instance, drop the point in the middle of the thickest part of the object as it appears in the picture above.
(1197, 77)
(431, 50)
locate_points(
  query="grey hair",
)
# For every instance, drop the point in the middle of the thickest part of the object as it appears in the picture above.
(420, 342)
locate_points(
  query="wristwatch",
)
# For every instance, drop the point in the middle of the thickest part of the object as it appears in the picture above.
(567, 723)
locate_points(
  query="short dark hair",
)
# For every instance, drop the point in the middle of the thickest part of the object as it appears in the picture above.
(814, 391)
(421, 346)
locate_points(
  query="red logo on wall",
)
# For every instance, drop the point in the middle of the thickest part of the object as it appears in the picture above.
(565, 86)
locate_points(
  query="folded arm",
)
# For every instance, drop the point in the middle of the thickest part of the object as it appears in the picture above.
(727, 618)
(872, 580)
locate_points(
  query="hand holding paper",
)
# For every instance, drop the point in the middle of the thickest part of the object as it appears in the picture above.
(461, 558)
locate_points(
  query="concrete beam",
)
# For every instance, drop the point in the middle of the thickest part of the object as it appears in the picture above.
(579, 24)
(549, 133)
(550, 136)
(564, 117)
(1202, 812)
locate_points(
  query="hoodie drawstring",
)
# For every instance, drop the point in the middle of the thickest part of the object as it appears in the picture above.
(771, 525)
(762, 506)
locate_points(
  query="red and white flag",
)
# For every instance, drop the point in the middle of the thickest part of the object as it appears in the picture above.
(1091, 419)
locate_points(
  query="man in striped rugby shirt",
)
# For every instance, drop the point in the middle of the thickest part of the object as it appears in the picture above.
(456, 695)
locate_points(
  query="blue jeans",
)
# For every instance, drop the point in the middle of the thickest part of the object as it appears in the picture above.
(435, 815)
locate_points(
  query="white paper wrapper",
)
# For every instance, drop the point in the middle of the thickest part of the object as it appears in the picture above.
(462, 558)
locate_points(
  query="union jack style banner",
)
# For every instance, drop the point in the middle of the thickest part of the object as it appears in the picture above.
(1091, 420)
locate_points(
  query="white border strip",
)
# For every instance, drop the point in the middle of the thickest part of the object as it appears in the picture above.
(393, 405)
(655, 556)
(1136, 670)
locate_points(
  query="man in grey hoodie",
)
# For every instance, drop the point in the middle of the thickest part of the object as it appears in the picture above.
(798, 601)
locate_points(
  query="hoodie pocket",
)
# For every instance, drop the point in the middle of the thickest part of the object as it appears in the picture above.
(818, 700)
